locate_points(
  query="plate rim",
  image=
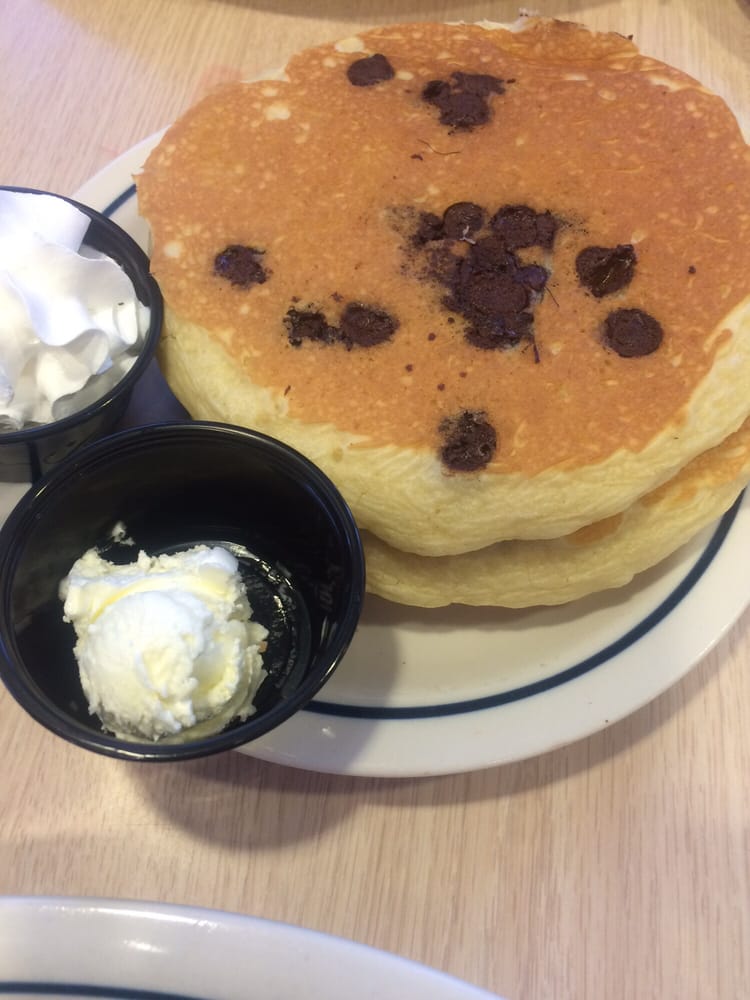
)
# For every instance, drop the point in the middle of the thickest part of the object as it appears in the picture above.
(116, 924)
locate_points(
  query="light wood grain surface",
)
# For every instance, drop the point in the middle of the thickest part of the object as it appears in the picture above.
(615, 868)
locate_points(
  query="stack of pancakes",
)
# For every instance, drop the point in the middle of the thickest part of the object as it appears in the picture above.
(494, 281)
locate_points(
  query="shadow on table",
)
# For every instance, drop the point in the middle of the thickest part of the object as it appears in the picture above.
(246, 803)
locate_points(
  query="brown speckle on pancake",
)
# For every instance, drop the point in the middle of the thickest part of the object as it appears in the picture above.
(632, 333)
(604, 270)
(370, 70)
(469, 441)
(240, 265)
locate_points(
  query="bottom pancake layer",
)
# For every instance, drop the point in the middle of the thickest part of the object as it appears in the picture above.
(602, 556)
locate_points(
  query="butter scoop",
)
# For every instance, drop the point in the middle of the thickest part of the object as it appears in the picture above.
(165, 645)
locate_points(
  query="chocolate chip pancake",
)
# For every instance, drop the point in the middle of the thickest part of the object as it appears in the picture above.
(496, 283)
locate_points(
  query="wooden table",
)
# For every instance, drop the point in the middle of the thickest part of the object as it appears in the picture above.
(616, 868)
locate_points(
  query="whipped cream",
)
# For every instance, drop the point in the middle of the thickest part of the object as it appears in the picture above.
(165, 645)
(71, 324)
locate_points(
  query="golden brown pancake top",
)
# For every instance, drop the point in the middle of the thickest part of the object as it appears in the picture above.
(328, 180)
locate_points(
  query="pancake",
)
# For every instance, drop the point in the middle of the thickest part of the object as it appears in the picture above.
(601, 556)
(496, 283)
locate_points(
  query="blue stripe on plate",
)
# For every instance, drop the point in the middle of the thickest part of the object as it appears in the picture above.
(52, 989)
(569, 674)
(343, 710)
(119, 201)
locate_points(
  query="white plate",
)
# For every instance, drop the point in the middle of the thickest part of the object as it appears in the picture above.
(435, 692)
(115, 950)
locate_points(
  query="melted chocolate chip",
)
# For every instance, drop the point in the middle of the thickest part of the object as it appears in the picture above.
(240, 265)
(632, 333)
(464, 112)
(533, 276)
(365, 326)
(444, 266)
(429, 228)
(519, 226)
(481, 84)
(368, 71)
(459, 222)
(501, 332)
(463, 101)
(604, 270)
(462, 220)
(491, 254)
(435, 90)
(487, 283)
(494, 293)
(489, 294)
(308, 325)
(470, 441)
(360, 324)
